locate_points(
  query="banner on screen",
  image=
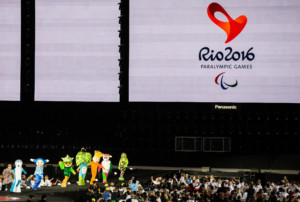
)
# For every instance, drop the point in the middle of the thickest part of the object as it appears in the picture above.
(77, 50)
(10, 49)
(215, 51)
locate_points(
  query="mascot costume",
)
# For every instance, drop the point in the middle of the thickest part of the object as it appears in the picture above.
(95, 165)
(123, 163)
(66, 166)
(18, 174)
(83, 160)
(39, 171)
(107, 167)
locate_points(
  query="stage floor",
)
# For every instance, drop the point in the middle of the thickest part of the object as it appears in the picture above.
(55, 193)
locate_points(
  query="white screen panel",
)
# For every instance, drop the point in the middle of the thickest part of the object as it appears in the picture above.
(166, 37)
(10, 49)
(77, 50)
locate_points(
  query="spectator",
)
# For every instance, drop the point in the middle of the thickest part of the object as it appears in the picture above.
(221, 197)
(1, 181)
(46, 182)
(157, 197)
(98, 194)
(122, 196)
(133, 185)
(23, 182)
(128, 195)
(107, 194)
(115, 195)
(31, 198)
(250, 193)
(57, 182)
(222, 188)
(43, 198)
(273, 196)
(28, 181)
(32, 181)
(92, 192)
(8, 176)
(156, 182)
(112, 186)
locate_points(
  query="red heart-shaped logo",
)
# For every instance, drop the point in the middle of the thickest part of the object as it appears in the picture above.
(233, 27)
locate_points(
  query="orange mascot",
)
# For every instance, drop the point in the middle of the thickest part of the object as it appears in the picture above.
(95, 165)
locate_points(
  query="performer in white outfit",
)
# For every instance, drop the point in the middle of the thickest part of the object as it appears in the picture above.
(18, 175)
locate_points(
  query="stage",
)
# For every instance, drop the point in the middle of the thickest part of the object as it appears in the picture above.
(55, 193)
(74, 192)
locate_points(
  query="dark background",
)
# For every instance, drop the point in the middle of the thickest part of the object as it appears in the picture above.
(262, 135)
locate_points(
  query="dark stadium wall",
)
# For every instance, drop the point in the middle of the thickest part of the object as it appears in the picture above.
(266, 132)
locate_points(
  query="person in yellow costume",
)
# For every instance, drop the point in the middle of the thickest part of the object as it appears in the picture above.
(123, 163)
(95, 165)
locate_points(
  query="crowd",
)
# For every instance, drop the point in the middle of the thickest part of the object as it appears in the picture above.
(186, 188)
(178, 187)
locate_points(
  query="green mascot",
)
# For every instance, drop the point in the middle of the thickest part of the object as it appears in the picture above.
(123, 163)
(83, 160)
(66, 166)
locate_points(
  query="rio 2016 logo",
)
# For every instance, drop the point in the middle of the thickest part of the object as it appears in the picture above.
(233, 27)
(222, 83)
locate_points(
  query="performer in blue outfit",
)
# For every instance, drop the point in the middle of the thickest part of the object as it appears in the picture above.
(18, 174)
(39, 171)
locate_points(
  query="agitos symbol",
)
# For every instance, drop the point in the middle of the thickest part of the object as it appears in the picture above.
(232, 28)
(224, 85)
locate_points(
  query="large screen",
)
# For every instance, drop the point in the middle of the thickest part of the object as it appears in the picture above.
(77, 50)
(10, 49)
(215, 51)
